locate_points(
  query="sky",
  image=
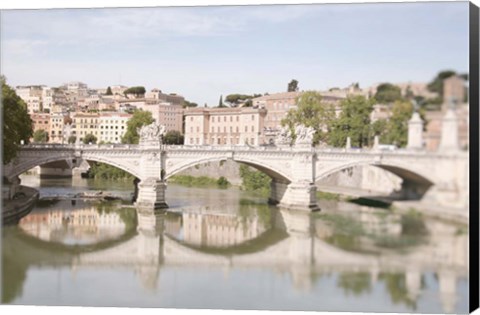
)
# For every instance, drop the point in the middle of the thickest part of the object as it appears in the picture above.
(204, 52)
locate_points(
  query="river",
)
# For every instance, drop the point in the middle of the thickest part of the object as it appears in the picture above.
(228, 249)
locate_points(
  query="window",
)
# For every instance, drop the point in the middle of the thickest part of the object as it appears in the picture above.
(224, 118)
(238, 118)
(246, 129)
(213, 119)
(231, 118)
(253, 117)
(253, 128)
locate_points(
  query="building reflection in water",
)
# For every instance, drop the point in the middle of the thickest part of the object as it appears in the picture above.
(361, 247)
(79, 222)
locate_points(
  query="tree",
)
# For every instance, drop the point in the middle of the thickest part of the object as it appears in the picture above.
(17, 124)
(40, 136)
(220, 102)
(397, 126)
(136, 90)
(237, 99)
(89, 138)
(140, 118)
(311, 112)
(72, 139)
(109, 91)
(173, 137)
(436, 85)
(292, 86)
(388, 93)
(189, 104)
(353, 122)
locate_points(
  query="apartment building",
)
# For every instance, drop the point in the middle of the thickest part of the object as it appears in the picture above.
(167, 114)
(41, 121)
(222, 126)
(112, 126)
(85, 123)
(58, 122)
(32, 96)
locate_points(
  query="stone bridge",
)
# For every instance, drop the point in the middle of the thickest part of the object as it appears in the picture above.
(435, 177)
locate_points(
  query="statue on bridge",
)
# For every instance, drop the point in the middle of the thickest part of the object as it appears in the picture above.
(284, 137)
(151, 133)
(304, 135)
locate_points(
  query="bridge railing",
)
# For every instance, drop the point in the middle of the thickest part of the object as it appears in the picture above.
(237, 148)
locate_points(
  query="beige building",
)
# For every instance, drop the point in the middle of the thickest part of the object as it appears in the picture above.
(453, 89)
(112, 127)
(167, 114)
(57, 128)
(171, 98)
(85, 123)
(225, 126)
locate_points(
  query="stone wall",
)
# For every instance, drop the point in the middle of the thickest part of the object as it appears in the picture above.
(228, 169)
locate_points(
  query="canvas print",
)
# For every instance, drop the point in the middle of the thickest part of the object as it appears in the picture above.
(271, 157)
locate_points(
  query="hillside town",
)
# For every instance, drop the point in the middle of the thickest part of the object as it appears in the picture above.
(68, 113)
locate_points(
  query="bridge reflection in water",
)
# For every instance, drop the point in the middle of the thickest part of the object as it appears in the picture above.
(361, 250)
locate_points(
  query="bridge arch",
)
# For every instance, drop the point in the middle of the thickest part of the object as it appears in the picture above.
(31, 163)
(416, 182)
(269, 170)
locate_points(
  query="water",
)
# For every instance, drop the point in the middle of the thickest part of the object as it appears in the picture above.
(228, 249)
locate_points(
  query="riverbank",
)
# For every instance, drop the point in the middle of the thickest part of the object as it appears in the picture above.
(15, 209)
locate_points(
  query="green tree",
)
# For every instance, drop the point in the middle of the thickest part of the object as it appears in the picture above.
(89, 138)
(173, 137)
(189, 104)
(388, 93)
(353, 122)
(17, 124)
(311, 112)
(220, 102)
(140, 118)
(397, 125)
(436, 85)
(40, 136)
(292, 86)
(109, 91)
(136, 90)
(72, 139)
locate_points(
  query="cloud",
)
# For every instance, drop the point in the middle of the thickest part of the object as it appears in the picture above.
(24, 46)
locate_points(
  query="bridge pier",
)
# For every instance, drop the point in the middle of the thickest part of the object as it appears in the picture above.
(298, 196)
(151, 194)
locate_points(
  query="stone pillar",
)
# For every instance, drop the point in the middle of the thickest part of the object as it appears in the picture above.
(151, 194)
(300, 196)
(415, 132)
(376, 142)
(449, 137)
(14, 186)
(349, 143)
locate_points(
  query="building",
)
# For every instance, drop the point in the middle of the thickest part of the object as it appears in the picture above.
(171, 98)
(222, 126)
(167, 114)
(112, 127)
(41, 121)
(32, 96)
(454, 89)
(85, 123)
(57, 127)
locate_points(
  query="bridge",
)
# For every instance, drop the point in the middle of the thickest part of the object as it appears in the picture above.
(438, 178)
